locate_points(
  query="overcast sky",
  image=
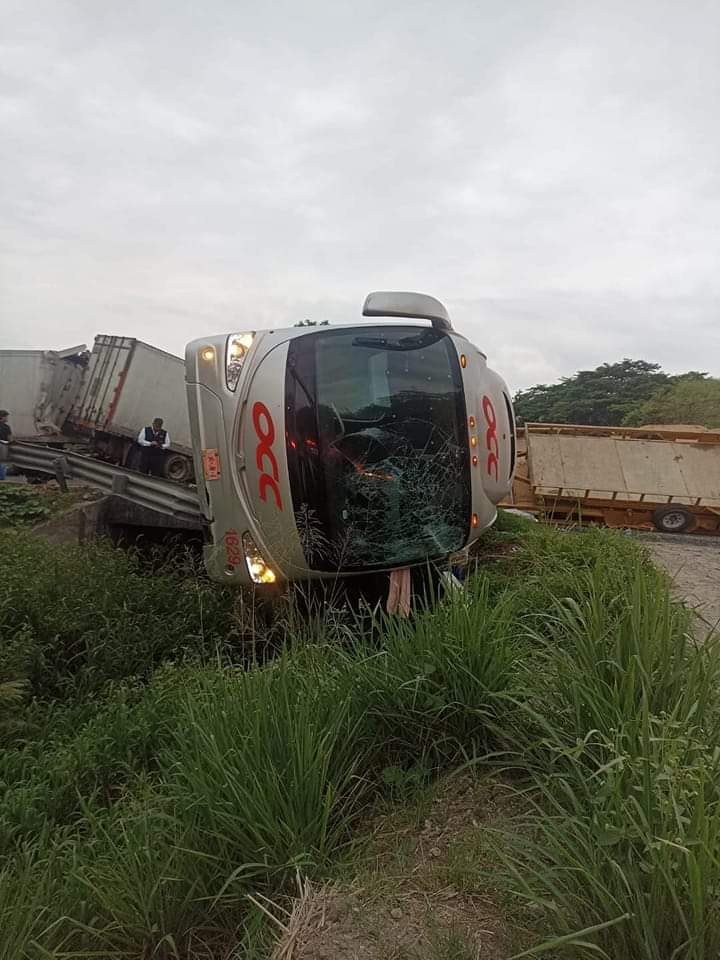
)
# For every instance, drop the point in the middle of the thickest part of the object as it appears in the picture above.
(549, 169)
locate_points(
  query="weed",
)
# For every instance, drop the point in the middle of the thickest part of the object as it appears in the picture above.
(449, 946)
(21, 505)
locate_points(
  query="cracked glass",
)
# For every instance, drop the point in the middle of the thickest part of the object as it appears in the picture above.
(377, 446)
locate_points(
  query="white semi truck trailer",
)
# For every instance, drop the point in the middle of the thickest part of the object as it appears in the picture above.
(99, 399)
(39, 387)
(128, 383)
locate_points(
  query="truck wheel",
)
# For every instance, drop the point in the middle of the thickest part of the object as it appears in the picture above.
(177, 468)
(672, 519)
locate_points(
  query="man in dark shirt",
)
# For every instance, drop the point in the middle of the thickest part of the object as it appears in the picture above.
(5, 435)
(154, 442)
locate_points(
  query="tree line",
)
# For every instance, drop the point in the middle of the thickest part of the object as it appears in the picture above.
(630, 393)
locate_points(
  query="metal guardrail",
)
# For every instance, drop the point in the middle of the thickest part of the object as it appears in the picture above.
(164, 496)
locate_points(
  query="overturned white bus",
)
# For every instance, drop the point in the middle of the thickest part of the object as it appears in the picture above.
(336, 450)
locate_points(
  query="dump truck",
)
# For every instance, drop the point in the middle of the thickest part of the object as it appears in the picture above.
(377, 444)
(126, 385)
(39, 387)
(646, 478)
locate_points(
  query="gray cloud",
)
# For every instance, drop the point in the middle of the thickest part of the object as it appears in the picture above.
(549, 169)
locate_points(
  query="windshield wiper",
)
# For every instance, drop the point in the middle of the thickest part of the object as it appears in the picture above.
(369, 342)
(424, 339)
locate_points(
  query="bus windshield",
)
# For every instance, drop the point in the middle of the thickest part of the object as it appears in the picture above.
(377, 446)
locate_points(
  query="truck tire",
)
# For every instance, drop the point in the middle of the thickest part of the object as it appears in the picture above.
(673, 519)
(178, 468)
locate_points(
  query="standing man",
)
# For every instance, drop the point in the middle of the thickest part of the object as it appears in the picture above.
(5, 435)
(153, 440)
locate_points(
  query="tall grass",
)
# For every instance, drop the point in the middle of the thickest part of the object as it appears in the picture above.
(141, 889)
(430, 684)
(29, 890)
(622, 741)
(269, 768)
(74, 618)
(141, 824)
(91, 752)
(252, 774)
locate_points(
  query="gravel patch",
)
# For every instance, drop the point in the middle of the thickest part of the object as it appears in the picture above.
(693, 562)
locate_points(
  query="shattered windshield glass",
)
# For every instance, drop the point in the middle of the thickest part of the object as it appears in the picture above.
(377, 446)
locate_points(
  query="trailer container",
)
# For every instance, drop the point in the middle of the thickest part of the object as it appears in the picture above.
(39, 388)
(128, 384)
(644, 478)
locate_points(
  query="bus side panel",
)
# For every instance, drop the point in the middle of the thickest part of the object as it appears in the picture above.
(496, 437)
(260, 439)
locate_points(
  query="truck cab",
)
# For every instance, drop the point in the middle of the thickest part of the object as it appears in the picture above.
(339, 450)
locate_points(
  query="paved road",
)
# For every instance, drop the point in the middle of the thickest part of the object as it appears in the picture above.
(694, 564)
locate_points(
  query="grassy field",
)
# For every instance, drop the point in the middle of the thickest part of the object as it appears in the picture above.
(164, 766)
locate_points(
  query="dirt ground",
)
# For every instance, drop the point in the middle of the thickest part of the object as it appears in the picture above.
(694, 564)
(421, 892)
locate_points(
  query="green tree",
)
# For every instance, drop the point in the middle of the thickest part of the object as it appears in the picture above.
(603, 396)
(690, 398)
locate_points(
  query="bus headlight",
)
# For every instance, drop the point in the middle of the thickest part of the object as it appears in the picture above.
(259, 571)
(238, 345)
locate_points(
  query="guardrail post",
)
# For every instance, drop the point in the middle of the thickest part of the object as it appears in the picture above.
(119, 483)
(62, 469)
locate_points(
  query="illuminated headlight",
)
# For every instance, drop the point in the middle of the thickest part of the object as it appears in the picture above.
(259, 571)
(238, 345)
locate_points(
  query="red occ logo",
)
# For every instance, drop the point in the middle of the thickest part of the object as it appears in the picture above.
(491, 440)
(265, 431)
